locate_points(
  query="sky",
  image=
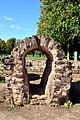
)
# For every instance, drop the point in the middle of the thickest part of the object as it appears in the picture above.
(18, 18)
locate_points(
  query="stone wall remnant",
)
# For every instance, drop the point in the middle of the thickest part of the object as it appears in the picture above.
(56, 79)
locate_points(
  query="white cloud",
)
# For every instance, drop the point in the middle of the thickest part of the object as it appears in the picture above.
(8, 18)
(18, 27)
(15, 26)
(12, 26)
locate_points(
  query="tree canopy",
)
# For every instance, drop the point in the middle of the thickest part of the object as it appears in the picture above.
(61, 20)
(10, 45)
(6, 47)
(2, 46)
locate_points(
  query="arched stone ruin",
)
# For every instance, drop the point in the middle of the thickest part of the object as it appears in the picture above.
(55, 81)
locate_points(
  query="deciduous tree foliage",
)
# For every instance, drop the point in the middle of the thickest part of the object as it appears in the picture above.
(2, 46)
(60, 20)
(10, 45)
(6, 47)
(39, 53)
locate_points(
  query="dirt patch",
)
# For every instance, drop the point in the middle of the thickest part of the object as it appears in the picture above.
(32, 112)
(36, 112)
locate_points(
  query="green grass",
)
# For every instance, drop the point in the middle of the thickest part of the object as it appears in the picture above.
(2, 81)
(36, 57)
(4, 55)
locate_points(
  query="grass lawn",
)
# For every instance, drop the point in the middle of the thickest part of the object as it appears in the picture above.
(4, 55)
(36, 57)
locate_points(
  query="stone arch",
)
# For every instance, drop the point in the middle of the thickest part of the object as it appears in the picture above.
(56, 77)
(47, 69)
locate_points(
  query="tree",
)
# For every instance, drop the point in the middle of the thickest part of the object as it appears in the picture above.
(2, 46)
(61, 20)
(39, 53)
(10, 44)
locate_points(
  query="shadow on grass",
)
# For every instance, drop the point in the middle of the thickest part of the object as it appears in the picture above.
(74, 93)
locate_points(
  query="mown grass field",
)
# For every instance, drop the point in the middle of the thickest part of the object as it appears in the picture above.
(35, 57)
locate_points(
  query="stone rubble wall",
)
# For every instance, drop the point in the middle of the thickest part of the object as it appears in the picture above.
(5, 66)
(2, 70)
(32, 65)
(56, 79)
(75, 66)
(35, 65)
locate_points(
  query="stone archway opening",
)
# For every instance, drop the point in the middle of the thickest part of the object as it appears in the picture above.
(35, 63)
(37, 85)
(56, 78)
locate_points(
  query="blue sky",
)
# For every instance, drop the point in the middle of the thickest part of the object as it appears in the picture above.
(18, 18)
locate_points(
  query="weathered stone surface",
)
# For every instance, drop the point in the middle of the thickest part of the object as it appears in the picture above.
(56, 78)
(34, 102)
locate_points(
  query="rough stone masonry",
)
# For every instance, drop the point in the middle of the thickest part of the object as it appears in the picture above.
(56, 79)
